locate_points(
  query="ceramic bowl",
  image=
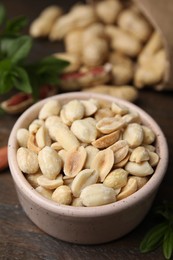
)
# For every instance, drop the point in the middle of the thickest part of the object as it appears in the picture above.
(86, 225)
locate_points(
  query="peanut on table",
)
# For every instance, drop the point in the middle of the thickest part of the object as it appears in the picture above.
(86, 152)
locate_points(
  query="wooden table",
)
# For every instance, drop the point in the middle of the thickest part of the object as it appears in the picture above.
(19, 237)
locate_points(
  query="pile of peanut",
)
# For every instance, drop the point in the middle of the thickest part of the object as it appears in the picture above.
(105, 32)
(86, 152)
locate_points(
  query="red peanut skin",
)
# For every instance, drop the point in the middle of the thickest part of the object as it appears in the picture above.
(3, 158)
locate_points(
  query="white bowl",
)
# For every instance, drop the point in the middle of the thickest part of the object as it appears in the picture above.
(86, 225)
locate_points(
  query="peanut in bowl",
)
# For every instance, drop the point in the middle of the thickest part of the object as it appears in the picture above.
(95, 219)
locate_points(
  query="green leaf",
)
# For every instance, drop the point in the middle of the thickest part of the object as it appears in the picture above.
(52, 64)
(168, 244)
(2, 13)
(16, 49)
(21, 80)
(5, 78)
(15, 25)
(5, 82)
(153, 238)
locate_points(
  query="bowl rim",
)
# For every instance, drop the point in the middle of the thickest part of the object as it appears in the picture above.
(30, 193)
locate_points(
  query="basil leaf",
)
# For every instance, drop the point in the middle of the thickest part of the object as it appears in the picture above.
(21, 80)
(2, 13)
(16, 49)
(5, 82)
(153, 238)
(15, 25)
(52, 64)
(5, 65)
(168, 244)
(5, 79)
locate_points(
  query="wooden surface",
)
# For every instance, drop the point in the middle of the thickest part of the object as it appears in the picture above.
(19, 237)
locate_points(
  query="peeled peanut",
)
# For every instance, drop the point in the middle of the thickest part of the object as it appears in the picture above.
(62, 195)
(84, 129)
(50, 124)
(139, 169)
(119, 109)
(41, 26)
(74, 161)
(106, 140)
(91, 153)
(73, 110)
(139, 154)
(149, 135)
(108, 10)
(108, 125)
(45, 182)
(64, 136)
(77, 202)
(153, 159)
(141, 181)
(116, 179)
(120, 150)
(97, 195)
(32, 145)
(44, 192)
(50, 108)
(134, 135)
(82, 180)
(102, 113)
(103, 163)
(90, 107)
(35, 125)
(42, 137)
(22, 137)
(62, 154)
(122, 163)
(132, 117)
(27, 160)
(50, 163)
(32, 178)
(56, 146)
(129, 189)
(150, 148)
